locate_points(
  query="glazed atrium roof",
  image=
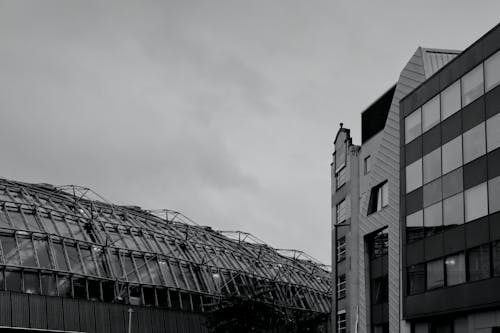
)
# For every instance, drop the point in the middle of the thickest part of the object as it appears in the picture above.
(69, 241)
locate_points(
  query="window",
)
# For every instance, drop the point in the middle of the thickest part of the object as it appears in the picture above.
(476, 202)
(474, 143)
(432, 165)
(9, 247)
(416, 279)
(492, 71)
(494, 194)
(340, 211)
(433, 219)
(452, 183)
(380, 290)
(413, 125)
(341, 322)
(430, 114)
(450, 100)
(340, 249)
(341, 286)
(27, 252)
(31, 283)
(42, 249)
(478, 263)
(452, 155)
(60, 256)
(414, 226)
(496, 258)
(379, 198)
(492, 132)
(414, 176)
(435, 274)
(432, 192)
(455, 269)
(340, 178)
(453, 210)
(368, 164)
(378, 244)
(472, 85)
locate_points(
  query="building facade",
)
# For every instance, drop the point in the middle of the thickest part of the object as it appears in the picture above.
(450, 194)
(366, 239)
(72, 262)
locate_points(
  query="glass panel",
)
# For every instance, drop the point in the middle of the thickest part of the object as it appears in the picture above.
(432, 192)
(433, 219)
(479, 263)
(450, 100)
(9, 248)
(130, 272)
(31, 283)
(13, 281)
(143, 269)
(129, 241)
(75, 229)
(493, 132)
(31, 220)
(472, 85)
(452, 183)
(117, 266)
(167, 273)
(435, 274)
(496, 258)
(494, 194)
(413, 125)
(42, 251)
(178, 274)
(27, 252)
(414, 176)
(61, 226)
(476, 202)
(16, 218)
(453, 210)
(60, 256)
(47, 223)
(430, 114)
(74, 258)
(452, 154)
(155, 271)
(492, 71)
(88, 261)
(414, 226)
(100, 256)
(4, 222)
(135, 295)
(474, 143)
(416, 279)
(455, 269)
(49, 286)
(94, 290)
(63, 286)
(432, 165)
(80, 288)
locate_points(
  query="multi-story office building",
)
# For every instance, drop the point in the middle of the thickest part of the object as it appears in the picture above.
(450, 194)
(365, 209)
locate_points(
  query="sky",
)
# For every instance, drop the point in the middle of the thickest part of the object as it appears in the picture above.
(223, 110)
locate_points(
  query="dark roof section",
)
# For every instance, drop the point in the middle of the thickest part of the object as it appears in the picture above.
(374, 117)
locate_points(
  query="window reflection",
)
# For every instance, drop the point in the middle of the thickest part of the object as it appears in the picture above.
(31, 283)
(472, 85)
(27, 252)
(13, 280)
(49, 286)
(42, 250)
(74, 258)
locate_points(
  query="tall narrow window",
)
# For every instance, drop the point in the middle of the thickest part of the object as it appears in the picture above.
(492, 71)
(341, 322)
(472, 85)
(414, 226)
(474, 143)
(341, 286)
(492, 132)
(435, 274)
(340, 211)
(430, 114)
(414, 176)
(416, 279)
(379, 197)
(476, 202)
(340, 177)
(455, 269)
(450, 100)
(478, 260)
(340, 249)
(413, 125)
(368, 164)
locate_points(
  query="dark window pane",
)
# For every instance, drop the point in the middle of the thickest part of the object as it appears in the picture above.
(31, 283)
(135, 295)
(478, 260)
(435, 274)
(74, 258)
(42, 250)
(149, 296)
(108, 291)
(9, 248)
(117, 267)
(416, 279)
(452, 183)
(60, 256)
(130, 272)
(380, 290)
(162, 295)
(13, 280)
(88, 261)
(455, 269)
(80, 288)
(496, 258)
(415, 226)
(432, 192)
(433, 219)
(94, 290)
(49, 286)
(27, 252)
(63, 286)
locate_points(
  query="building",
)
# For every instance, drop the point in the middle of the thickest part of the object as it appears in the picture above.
(450, 194)
(365, 209)
(71, 261)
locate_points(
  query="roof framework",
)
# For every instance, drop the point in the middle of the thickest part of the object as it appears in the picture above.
(73, 232)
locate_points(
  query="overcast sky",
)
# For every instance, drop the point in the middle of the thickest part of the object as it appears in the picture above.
(223, 110)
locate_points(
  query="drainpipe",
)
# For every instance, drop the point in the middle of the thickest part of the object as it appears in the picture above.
(130, 320)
